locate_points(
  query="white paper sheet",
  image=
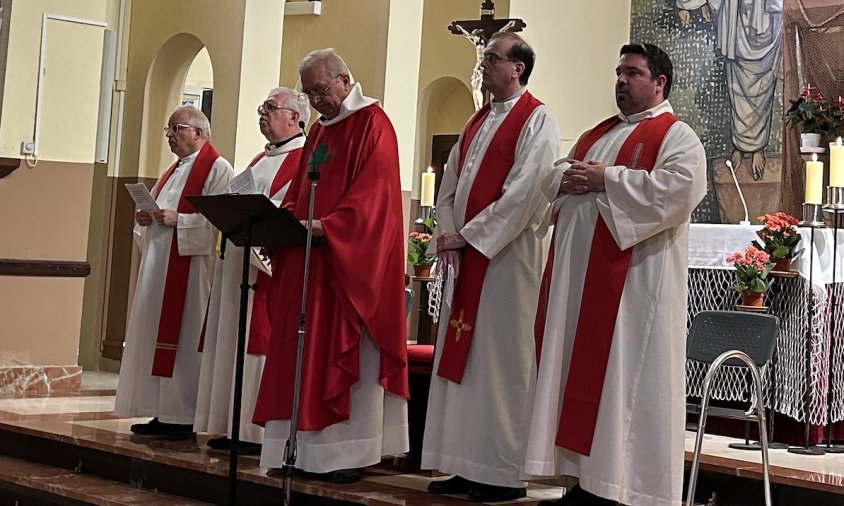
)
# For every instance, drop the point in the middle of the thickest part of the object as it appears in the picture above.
(243, 183)
(142, 197)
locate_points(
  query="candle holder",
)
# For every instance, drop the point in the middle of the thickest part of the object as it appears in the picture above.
(834, 197)
(835, 215)
(810, 303)
(425, 213)
(812, 215)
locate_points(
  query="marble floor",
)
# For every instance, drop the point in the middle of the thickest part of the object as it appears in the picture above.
(84, 419)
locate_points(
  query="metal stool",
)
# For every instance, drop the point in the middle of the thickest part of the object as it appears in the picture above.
(732, 338)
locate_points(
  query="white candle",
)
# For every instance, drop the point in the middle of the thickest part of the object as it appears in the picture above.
(836, 164)
(426, 196)
(814, 181)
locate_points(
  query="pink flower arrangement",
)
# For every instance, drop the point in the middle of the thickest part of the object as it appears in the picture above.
(779, 235)
(417, 243)
(752, 269)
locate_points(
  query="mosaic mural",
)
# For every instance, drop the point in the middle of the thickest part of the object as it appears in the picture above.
(705, 41)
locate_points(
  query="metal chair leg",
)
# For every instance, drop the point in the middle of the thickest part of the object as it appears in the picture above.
(763, 433)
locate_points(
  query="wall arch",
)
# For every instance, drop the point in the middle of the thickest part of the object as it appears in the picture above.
(445, 104)
(162, 93)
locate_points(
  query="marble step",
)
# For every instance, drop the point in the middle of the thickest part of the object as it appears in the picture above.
(22, 479)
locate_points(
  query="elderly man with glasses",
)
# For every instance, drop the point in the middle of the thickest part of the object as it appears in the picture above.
(160, 366)
(279, 117)
(354, 380)
(489, 240)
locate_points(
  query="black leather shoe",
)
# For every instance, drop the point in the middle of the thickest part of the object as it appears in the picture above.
(454, 485)
(481, 492)
(178, 431)
(224, 444)
(151, 428)
(579, 497)
(219, 443)
(344, 476)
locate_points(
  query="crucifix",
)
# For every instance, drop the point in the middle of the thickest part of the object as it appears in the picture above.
(478, 31)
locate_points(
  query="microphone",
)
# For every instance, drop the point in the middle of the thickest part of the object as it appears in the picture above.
(746, 220)
(302, 128)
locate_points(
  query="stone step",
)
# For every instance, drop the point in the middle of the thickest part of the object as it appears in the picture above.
(21, 480)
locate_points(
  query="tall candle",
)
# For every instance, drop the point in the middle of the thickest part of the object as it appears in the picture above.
(426, 197)
(836, 163)
(814, 181)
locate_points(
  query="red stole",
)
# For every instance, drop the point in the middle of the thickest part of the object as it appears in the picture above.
(259, 322)
(606, 273)
(178, 266)
(356, 281)
(486, 189)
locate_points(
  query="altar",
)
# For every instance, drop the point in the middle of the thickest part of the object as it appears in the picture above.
(710, 278)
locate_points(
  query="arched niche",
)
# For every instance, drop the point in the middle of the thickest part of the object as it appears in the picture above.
(163, 92)
(445, 105)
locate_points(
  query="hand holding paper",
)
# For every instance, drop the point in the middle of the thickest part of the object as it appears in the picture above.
(142, 197)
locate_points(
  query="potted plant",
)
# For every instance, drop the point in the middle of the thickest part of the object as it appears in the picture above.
(752, 269)
(417, 248)
(814, 116)
(780, 239)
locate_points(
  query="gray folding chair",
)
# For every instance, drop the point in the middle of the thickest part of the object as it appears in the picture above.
(735, 339)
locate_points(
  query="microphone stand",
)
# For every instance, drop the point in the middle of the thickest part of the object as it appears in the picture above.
(291, 446)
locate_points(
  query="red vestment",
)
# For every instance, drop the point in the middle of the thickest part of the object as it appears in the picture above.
(356, 278)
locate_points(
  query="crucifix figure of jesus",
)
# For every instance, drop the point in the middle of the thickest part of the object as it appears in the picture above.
(478, 32)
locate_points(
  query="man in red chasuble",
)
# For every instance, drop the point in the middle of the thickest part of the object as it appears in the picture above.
(161, 361)
(354, 384)
(610, 395)
(490, 238)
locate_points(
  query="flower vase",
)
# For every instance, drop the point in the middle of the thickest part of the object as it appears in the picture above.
(750, 298)
(422, 271)
(810, 140)
(781, 264)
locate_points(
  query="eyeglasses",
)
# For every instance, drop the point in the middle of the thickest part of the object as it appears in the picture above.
(494, 59)
(312, 94)
(271, 106)
(175, 127)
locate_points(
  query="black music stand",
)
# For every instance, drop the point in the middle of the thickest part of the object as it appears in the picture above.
(247, 221)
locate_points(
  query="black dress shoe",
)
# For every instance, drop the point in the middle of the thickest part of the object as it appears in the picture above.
(345, 476)
(454, 485)
(151, 428)
(481, 492)
(161, 430)
(223, 443)
(579, 497)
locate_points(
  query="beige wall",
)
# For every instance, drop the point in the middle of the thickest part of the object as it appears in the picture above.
(40, 317)
(575, 69)
(201, 73)
(356, 29)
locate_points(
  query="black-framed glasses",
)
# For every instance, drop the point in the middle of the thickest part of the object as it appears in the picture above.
(495, 59)
(268, 106)
(312, 94)
(175, 127)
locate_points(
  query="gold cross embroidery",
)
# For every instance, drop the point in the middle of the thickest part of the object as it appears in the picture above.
(460, 326)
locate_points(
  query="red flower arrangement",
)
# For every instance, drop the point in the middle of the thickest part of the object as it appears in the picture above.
(752, 269)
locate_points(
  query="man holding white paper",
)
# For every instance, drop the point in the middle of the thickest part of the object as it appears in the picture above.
(269, 174)
(160, 368)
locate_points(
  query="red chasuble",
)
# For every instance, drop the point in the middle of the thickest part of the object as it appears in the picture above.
(178, 266)
(487, 187)
(259, 322)
(356, 279)
(606, 273)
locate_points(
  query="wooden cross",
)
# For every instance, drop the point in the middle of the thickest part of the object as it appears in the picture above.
(460, 326)
(487, 25)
